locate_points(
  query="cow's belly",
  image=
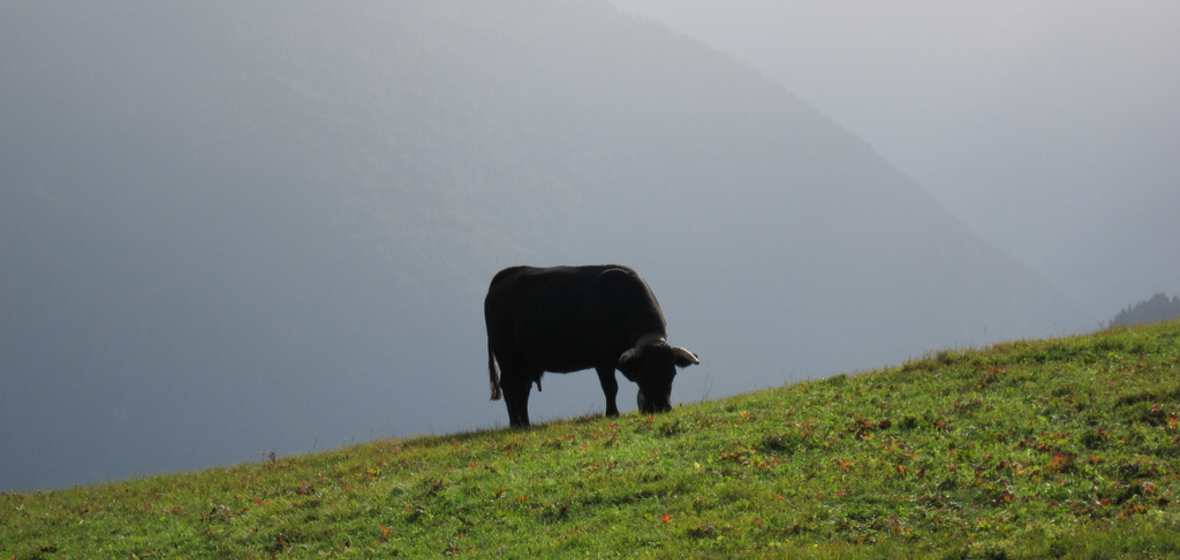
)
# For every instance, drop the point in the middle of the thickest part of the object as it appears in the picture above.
(558, 360)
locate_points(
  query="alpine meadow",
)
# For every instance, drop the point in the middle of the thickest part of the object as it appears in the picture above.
(1060, 448)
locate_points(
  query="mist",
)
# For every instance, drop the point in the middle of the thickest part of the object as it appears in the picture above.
(233, 229)
(1049, 127)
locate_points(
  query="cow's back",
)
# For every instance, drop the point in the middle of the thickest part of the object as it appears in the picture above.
(565, 318)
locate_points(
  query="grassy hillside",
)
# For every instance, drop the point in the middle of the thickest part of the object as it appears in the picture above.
(1028, 449)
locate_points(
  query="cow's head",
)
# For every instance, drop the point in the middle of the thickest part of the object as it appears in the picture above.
(652, 366)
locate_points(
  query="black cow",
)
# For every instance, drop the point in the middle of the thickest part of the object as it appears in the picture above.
(571, 318)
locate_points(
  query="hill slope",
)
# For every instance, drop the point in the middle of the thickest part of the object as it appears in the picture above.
(1031, 449)
(229, 228)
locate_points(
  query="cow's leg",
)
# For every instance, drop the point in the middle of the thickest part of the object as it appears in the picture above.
(516, 397)
(610, 388)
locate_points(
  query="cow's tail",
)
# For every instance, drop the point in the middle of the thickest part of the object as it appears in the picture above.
(495, 379)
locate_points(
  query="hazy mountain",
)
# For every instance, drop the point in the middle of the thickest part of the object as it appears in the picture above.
(226, 228)
(1050, 127)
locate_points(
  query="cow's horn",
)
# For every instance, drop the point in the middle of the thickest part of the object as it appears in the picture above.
(684, 356)
(628, 355)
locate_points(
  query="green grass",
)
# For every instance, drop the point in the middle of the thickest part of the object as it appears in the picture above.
(1060, 448)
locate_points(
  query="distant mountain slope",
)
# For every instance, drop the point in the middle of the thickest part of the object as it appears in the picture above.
(228, 228)
(1050, 128)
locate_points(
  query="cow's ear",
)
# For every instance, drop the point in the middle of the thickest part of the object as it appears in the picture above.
(629, 355)
(628, 361)
(683, 358)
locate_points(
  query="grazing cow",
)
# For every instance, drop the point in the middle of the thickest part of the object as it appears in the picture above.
(570, 318)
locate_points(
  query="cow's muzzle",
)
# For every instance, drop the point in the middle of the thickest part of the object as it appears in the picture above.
(650, 407)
